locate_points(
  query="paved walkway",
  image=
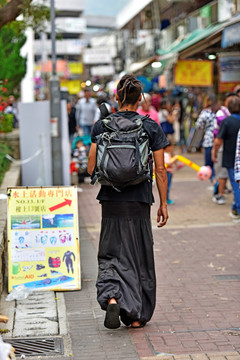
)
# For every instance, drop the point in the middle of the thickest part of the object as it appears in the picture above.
(198, 272)
(197, 258)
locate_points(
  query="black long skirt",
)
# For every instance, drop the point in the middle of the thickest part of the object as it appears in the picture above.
(126, 262)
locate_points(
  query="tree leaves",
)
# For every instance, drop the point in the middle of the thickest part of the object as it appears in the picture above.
(34, 15)
(13, 65)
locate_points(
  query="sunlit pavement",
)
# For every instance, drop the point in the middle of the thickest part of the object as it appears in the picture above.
(197, 263)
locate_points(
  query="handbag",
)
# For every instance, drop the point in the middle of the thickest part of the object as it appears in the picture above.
(196, 137)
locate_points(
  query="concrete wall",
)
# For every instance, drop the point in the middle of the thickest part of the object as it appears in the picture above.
(12, 178)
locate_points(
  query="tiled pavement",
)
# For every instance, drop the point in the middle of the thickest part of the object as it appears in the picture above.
(197, 257)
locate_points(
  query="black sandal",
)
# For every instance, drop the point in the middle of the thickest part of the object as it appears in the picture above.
(112, 316)
(124, 318)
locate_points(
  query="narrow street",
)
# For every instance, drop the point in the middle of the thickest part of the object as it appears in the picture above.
(197, 264)
(93, 87)
(197, 314)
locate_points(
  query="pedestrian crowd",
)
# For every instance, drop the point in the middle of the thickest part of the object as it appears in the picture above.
(221, 124)
(179, 115)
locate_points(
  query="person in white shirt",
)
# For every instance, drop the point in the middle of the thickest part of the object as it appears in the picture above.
(87, 112)
(221, 172)
(237, 160)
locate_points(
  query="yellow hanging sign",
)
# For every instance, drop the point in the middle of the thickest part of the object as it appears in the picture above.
(75, 67)
(73, 86)
(194, 73)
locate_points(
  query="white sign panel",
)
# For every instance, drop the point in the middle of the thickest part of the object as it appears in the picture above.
(74, 46)
(65, 144)
(35, 144)
(71, 25)
(102, 70)
(103, 40)
(100, 55)
(225, 10)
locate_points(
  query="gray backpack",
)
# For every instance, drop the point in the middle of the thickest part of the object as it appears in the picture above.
(123, 153)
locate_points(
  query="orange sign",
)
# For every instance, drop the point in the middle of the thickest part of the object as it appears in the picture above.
(227, 87)
(61, 66)
(194, 73)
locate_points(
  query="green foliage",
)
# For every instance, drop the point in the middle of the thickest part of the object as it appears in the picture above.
(6, 122)
(13, 65)
(2, 3)
(34, 15)
(4, 162)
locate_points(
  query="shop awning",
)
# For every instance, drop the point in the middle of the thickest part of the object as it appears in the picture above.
(136, 66)
(195, 42)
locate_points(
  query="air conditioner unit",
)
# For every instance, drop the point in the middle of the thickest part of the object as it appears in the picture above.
(196, 22)
(234, 8)
(166, 38)
(181, 30)
(238, 5)
(204, 22)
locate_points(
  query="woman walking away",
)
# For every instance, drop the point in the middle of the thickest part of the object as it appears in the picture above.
(237, 160)
(166, 119)
(126, 284)
(206, 121)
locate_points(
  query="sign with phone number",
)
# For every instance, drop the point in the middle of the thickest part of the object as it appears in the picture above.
(43, 238)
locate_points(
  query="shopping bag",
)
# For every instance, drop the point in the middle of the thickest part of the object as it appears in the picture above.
(195, 138)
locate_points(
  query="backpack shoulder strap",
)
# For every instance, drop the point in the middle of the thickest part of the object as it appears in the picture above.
(106, 121)
(144, 117)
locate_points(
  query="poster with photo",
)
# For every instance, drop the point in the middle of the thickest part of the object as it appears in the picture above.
(43, 238)
(229, 71)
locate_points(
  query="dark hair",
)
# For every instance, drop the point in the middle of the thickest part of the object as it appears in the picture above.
(228, 94)
(101, 100)
(129, 90)
(211, 99)
(164, 102)
(234, 105)
(238, 91)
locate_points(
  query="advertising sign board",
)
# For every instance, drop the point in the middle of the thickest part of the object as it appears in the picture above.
(43, 239)
(194, 73)
(229, 71)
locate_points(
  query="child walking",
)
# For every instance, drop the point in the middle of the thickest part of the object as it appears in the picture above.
(170, 163)
(170, 169)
